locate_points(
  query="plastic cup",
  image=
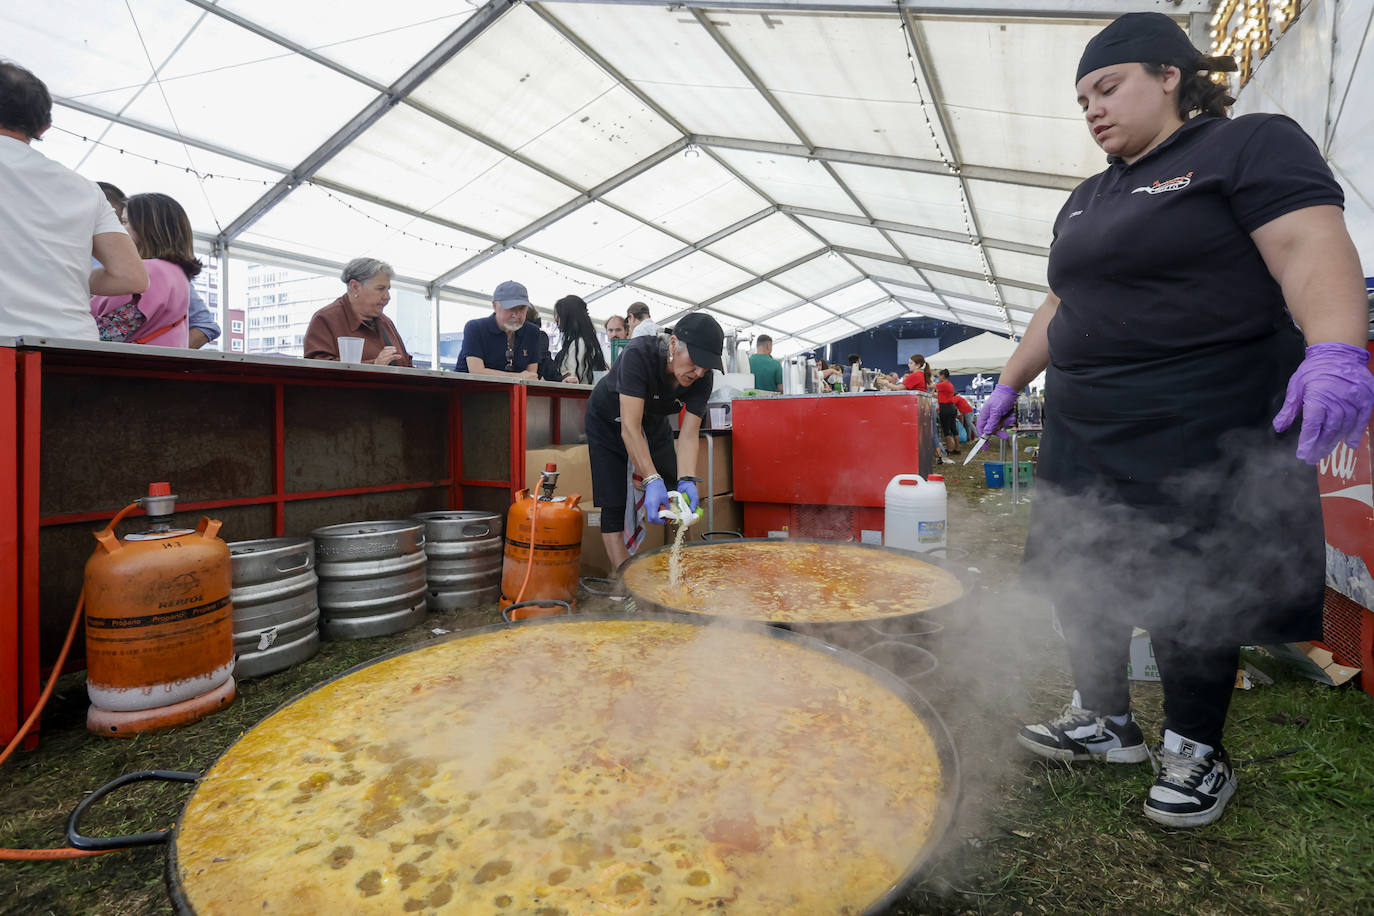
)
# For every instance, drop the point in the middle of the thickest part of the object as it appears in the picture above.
(350, 349)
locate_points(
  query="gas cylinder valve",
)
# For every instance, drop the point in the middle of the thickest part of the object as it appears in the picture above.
(159, 505)
(548, 480)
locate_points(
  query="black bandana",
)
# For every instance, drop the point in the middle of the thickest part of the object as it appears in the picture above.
(1146, 38)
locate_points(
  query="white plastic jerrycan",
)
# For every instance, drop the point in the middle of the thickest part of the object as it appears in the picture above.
(914, 512)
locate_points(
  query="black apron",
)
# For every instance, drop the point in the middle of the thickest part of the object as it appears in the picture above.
(1165, 499)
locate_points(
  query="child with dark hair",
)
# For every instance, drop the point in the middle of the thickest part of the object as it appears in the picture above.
(161, 230)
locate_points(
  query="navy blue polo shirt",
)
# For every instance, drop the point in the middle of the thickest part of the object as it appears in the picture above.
(1155, 258)
(485, 339)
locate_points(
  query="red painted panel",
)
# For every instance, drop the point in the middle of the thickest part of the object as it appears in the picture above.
(30, 415)
(828, 523)
(9, 550)
(834, 450)
(518, 403)
(761, 518)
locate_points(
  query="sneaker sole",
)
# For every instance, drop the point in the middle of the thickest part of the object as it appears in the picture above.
(1201, 819)
(1137, 754)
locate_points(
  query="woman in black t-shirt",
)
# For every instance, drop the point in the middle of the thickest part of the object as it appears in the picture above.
(627, 421)
(1170, 496)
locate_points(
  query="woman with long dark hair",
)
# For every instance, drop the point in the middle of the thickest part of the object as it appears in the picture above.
(581, 354)
(161, 231)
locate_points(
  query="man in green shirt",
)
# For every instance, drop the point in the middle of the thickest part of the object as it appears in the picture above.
(767, 370)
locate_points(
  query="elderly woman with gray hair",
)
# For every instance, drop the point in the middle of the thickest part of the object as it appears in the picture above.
(358, 313)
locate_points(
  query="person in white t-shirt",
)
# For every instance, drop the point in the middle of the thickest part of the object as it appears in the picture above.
(52, 222)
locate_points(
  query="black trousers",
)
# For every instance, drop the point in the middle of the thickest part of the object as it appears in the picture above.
(949, 415)
(610, 463)
(1198, 682)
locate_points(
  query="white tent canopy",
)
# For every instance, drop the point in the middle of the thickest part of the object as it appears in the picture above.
(988, 352)
(1322, 76)
(802, 169)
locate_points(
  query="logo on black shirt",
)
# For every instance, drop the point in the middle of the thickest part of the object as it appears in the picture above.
(1173, 184)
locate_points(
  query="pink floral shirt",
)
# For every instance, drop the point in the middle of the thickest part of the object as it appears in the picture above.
(164, 302)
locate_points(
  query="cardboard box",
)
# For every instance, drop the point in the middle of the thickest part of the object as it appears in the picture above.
(726, 514)
(1141, 666)
(722, 454)
(574, 469)
(595, 561)
(1313, 661)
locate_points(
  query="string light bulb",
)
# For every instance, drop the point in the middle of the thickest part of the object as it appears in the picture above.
(1247, 30)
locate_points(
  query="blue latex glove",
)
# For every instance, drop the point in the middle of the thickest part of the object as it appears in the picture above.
(688, 488)
(1335, 391)
(655, 498)
(998, 412)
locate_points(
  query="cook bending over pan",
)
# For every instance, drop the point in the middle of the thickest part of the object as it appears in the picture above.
(627, 421)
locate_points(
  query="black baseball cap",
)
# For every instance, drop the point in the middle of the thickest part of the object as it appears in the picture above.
(704, 339)
(1146, 38)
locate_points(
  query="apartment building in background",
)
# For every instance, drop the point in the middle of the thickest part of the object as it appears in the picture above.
(232, 338)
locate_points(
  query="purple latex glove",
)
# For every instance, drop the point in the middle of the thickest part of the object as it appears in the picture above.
(998, 412)
(655, 498)
(1335, 391)
(688, 488)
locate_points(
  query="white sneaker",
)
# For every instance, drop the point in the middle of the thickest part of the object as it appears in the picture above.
(1193, 783)
(1081, 734)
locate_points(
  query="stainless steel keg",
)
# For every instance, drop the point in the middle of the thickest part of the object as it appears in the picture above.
(276, 614)
(372, 577)
(465, 554)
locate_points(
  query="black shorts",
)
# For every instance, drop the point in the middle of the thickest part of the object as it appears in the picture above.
(949, 420)
(611, 462)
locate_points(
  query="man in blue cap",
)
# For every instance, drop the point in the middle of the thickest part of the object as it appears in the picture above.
(502, 343)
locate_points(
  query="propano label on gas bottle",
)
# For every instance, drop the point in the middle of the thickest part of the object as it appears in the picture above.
(153, 620)
(525, 545)
(930, 532)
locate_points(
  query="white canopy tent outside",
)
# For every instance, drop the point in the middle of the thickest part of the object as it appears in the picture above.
(1322, 76)
(986, 353)
(801, 169)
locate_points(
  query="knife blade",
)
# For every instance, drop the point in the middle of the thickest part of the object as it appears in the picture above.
(982, 441)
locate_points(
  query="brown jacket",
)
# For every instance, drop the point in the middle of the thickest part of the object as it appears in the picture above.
(337, 319)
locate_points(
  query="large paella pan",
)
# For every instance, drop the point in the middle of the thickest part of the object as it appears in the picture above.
(577, 765)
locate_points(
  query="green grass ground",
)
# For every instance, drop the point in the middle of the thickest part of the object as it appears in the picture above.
(1029, 837)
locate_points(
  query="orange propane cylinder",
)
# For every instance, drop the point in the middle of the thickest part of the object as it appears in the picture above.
(159, 625)
(554, 525)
